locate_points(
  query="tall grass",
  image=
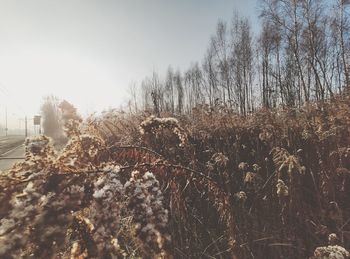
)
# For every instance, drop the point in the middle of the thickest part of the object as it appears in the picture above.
(274, 184)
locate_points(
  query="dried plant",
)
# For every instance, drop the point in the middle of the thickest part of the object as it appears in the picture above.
(274, 184)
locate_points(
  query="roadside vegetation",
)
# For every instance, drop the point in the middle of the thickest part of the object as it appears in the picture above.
(274, 184)
(244, 155)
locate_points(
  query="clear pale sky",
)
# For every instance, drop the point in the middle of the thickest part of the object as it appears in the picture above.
(88, 51)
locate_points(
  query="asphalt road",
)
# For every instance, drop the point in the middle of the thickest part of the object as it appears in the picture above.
(10, 147)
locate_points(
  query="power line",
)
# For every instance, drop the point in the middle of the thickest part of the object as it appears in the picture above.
(5, 92)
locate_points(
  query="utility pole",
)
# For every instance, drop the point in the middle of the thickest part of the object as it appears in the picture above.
(6, 121)
(25, 126)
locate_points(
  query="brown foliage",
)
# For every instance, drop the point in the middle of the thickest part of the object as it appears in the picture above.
(273, 184)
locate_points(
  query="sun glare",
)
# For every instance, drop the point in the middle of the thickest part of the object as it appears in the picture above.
(59, 73)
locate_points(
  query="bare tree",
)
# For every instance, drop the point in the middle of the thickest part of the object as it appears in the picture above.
(242, 63)
(52, 123)
(133, 96)
(180, 92)
(342, 24)
(221, 47)
(302, 54)
(210, 76)
(169, 91)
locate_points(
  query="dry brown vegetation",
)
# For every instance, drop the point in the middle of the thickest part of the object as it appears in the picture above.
(274, 184)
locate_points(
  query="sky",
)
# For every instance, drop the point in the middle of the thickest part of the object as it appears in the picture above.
(89, 51)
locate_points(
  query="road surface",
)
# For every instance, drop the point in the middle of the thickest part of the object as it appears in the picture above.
(10, 147)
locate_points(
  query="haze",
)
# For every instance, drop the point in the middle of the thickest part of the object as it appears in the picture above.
(88, 52)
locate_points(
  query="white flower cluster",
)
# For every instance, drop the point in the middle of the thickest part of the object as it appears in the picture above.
(241, 196)
(105, 211)
(150, 216)
(111, 168)
(12, 228)
(42, 216)
(106, 186)
(152, 124)
(243, 166)
(39, 153)
(331, 252)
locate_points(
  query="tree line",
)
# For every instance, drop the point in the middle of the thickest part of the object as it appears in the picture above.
(301, 54)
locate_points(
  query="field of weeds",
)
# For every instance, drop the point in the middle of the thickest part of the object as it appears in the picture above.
(274, 184)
